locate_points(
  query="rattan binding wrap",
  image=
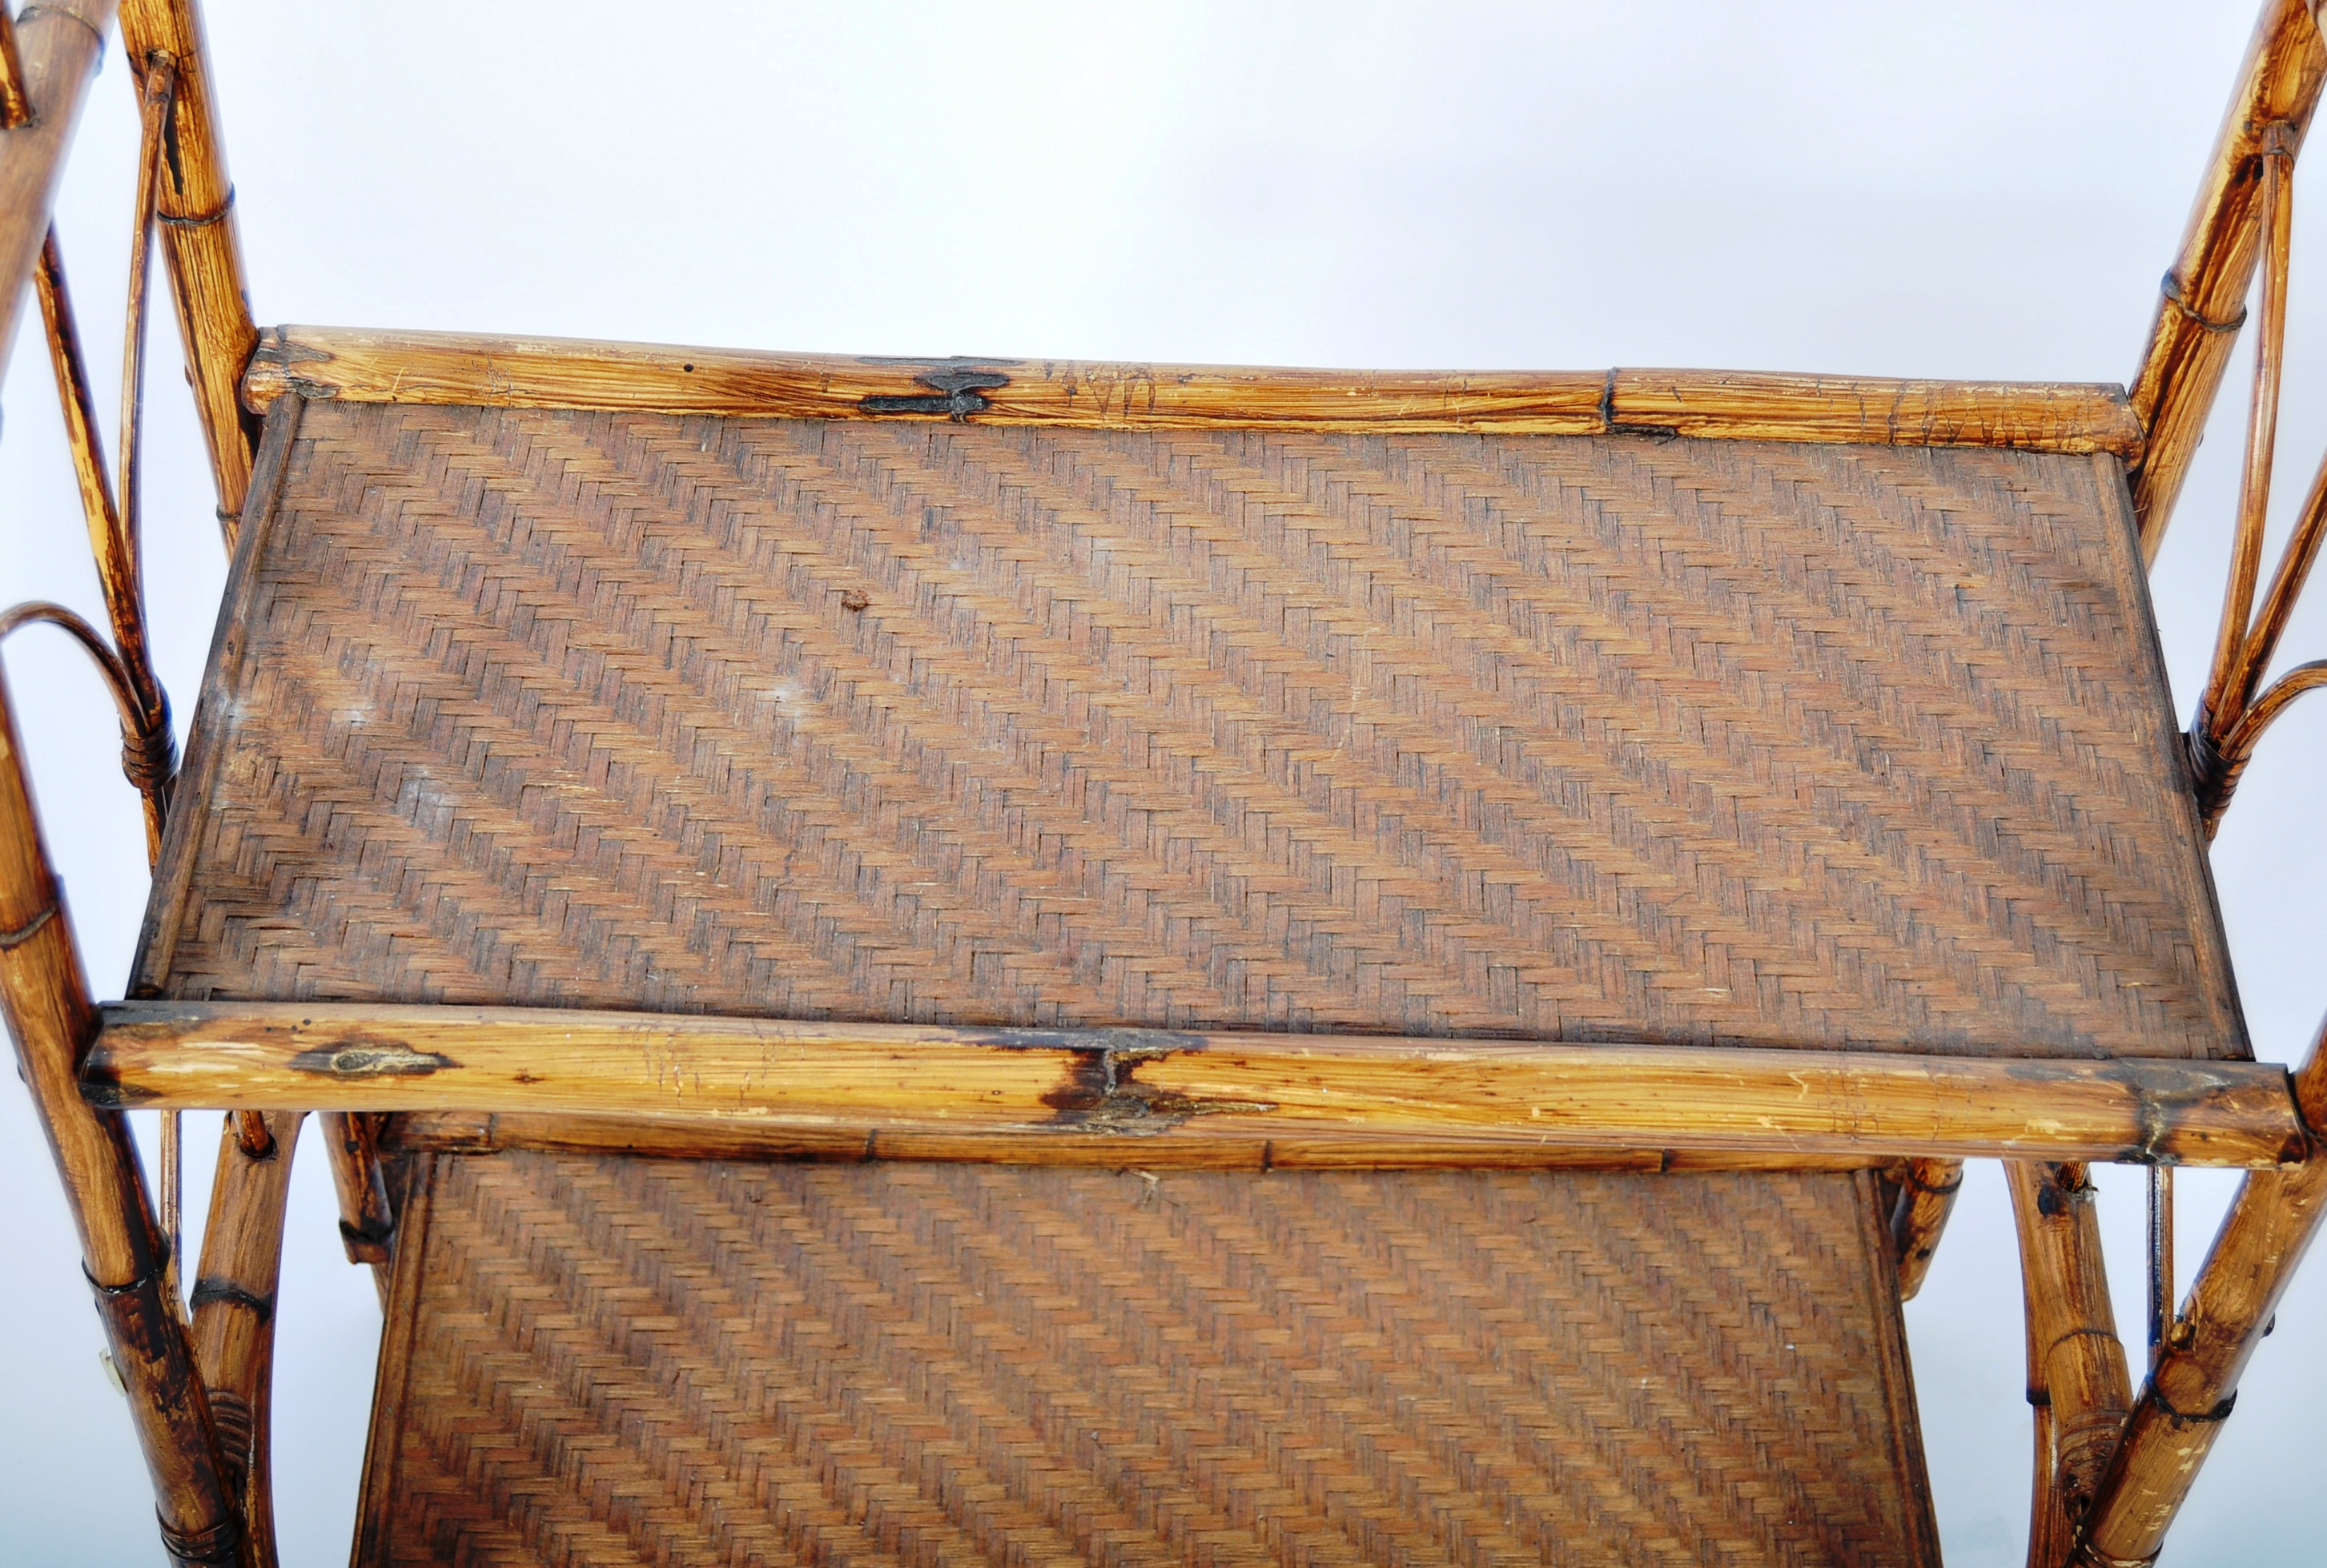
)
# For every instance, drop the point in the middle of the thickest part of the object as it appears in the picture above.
(620, 1361)
(1696, 741)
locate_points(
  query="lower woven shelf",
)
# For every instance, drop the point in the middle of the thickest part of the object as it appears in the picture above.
(619, 1360)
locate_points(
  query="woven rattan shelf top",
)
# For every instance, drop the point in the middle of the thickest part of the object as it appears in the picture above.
(1605, 737)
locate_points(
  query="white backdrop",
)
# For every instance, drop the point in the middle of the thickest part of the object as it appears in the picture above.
(1984, 190)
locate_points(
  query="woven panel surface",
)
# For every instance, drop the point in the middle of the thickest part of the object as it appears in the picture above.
(623, 1361)
(1691, 741)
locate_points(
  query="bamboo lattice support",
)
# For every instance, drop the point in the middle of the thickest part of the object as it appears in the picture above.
(200, 238)
(234, 1301)
(2076, 1365)
(1186, 1087)
(2194, 1383)
(52, 1020)
(371, 367)
(2202, 303)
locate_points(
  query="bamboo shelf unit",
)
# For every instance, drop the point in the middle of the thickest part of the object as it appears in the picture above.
(994, 960)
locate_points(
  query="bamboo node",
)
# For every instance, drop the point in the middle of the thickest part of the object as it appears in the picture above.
(2219, 1413)
(26, 16)
(210, 1292)
(368, 1242)
(198, 220)
(220, 1544)
(25, 932)
(2172, 290)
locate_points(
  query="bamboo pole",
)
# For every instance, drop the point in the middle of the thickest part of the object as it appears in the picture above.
(234, 1310)
(2076, 1364)
(2194, 1382)
(59, 44)
(2202, 300)
(436, 367)
(367, 1216)
(1149, 1084)
(201, 241)
(1927, 1196)
(52, 1020)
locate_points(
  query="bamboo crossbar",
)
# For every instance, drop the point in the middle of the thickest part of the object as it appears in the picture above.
(1185, 1087)
(431, 368)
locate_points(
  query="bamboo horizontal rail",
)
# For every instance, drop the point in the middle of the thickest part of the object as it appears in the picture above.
(1183, 1086)
(384, 366)
(2202, 303)
(58, 44)
(201, 241)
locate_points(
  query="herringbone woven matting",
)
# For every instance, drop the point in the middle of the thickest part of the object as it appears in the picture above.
(1698, 741)
(629, 1361)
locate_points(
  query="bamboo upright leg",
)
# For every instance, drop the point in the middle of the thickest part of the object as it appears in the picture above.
(2076, 1365)
(2195, 1380)
(234, 1307)
(45, 998)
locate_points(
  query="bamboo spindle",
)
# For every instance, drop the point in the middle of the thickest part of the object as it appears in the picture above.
(59, 44)
(234, 1308)
(148, 746)
(367, 1216)
(2076, 1367)
(16, 104)
(50, 1018)
(2195, 1380)
(2217, 708)
(2160, 1257)
(2200, 309)
(1927, 1196)
(203, 245)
